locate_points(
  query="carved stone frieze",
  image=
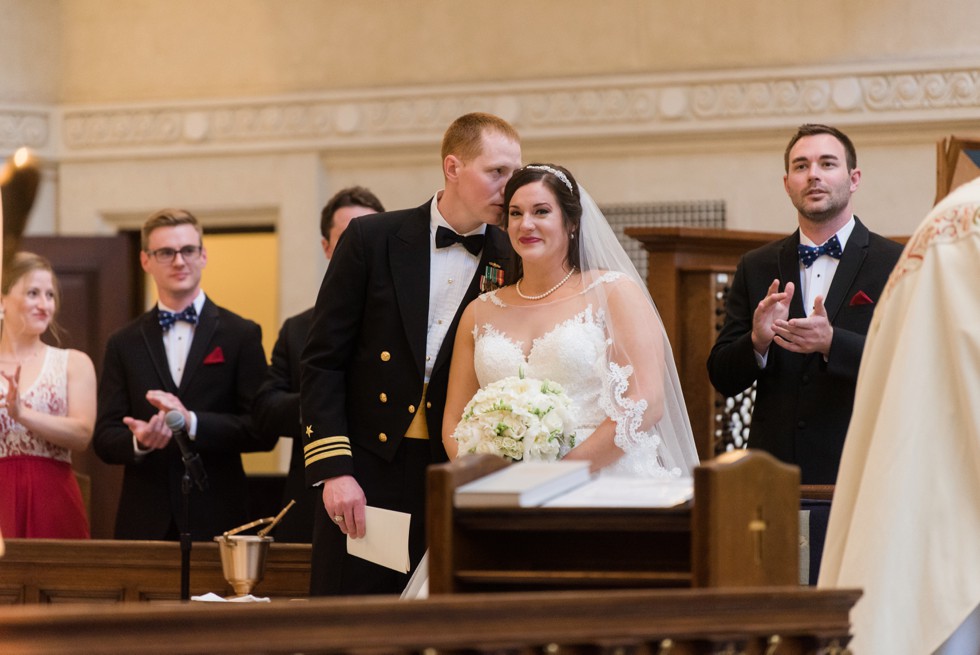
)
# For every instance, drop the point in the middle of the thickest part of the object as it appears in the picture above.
(926, 90)
(22, 127)
(570, 108)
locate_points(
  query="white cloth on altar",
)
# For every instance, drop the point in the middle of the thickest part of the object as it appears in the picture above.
(905, 521)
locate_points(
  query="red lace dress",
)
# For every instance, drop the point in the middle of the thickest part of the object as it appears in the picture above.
(39, 496)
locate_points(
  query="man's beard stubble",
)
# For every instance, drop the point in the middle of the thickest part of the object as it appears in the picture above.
(836, 203)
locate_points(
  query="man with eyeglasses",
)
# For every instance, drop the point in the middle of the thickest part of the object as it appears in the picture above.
(187, 355)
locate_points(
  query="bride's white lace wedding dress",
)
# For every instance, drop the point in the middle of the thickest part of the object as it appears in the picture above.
(569, 341)
(604, 345)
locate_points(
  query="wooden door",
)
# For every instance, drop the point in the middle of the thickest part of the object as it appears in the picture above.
(100, 292)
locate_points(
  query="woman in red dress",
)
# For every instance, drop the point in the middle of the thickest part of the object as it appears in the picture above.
(47, 409)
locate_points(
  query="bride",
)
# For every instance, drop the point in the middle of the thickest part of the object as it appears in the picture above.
(582, 317)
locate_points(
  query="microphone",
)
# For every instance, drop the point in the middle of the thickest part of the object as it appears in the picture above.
(192, 461)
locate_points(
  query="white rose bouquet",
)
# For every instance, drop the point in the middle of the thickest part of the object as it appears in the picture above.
(518, 418)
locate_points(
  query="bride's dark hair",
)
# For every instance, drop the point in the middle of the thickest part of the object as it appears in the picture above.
(565, 189)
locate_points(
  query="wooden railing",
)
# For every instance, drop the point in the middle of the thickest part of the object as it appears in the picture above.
(772, 621)
(60, 571)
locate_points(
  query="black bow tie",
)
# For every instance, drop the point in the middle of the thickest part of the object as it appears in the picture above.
(446, 237)
(167, 319)
(809, 254)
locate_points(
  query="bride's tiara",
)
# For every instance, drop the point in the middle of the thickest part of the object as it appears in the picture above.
(557, 173)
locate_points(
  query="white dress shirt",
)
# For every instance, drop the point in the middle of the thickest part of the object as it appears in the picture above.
(451, 270)
(815, 281)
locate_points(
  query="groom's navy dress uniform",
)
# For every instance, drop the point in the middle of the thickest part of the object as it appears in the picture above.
(363, 379)
(803, 404)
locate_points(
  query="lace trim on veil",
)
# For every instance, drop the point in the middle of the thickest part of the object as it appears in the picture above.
(642, 449)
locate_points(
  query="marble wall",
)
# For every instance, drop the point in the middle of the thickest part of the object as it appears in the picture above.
(255, 111)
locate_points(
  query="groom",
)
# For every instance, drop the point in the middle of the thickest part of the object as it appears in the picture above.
(376, 362)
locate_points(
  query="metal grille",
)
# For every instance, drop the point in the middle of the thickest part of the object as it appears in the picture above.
(698, 213)
(732, 416)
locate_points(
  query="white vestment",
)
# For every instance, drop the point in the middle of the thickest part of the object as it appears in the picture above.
(905, 521)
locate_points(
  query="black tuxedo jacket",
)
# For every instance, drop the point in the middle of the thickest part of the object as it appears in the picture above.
(224, 368)
(364, 362)
(276, 413)
(803, 404)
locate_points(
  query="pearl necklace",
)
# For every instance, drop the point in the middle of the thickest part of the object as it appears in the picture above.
(546, 293)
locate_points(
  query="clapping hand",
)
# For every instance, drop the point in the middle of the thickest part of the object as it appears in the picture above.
(770, 310)
(812, 334)
(151, 435)
(10, 399)
(167, 402)
(154, 433)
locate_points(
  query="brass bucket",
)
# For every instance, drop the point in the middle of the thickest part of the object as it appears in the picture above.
(243, 560)
(243, 556)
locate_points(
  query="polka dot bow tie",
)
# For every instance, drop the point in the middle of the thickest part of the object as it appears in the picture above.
(809, 254)
(167, 319)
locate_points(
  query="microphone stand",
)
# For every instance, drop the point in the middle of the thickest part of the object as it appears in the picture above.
(185, 534)
(193, 474)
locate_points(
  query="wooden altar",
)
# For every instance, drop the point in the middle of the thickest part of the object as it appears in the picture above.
(741, 530)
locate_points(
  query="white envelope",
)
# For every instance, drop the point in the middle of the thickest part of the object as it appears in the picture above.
(386, 540)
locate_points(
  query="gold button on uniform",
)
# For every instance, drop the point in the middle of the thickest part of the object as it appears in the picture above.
(428, 405)
(383, 397)
(383, 438)
(411, 409)
(385, 355)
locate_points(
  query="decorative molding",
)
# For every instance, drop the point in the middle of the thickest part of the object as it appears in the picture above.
(677, 104)
(22, 126)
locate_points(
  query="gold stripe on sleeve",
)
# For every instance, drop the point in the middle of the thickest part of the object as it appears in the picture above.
(326, 447)
(340, 452)
(326, 441)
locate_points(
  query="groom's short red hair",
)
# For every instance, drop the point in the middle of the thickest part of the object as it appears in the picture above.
(464, 138)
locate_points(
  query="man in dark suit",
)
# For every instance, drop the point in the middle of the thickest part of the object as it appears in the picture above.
(799, 309)
(189, 355)
(377, 361)
(276, 407)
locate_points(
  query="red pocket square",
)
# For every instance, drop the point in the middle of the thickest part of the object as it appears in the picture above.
(861, 298)
(216, 356)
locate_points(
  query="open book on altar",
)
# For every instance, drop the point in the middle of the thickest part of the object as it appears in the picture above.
(522, 484)
(569, 484)
(618, 491)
